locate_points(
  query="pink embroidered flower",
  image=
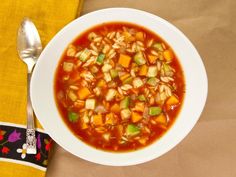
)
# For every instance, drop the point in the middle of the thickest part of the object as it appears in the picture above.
(14, 136)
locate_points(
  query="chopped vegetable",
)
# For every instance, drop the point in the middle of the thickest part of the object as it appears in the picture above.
(172, 100)
(125, 103)
(152, 71)
(97, 91)
(128, 80)
(139, 36)
(83, 93)
(97, 120)
(152, 59)
(158, 47)
(84, 120)
(72, 95)
(106, 136)
(124, 60)
(125, 76)
(132, 130)
(143, 140)
(125, 114)
(153, 81)
(136, 117)
(85, 54)
(111, 94)
(90, 103)
(114, 73)
(153, 111)
(110, 119)
(143, 70)
(115, 108)
(139, 58)
(168, 55)
(73, 117)
(67, 66)
(94, 69)
(137, 82)
(141, 98)
(100, 58)
(139, 106)
(161, 119)
(101, 83)
(107, 77)
(106, 67)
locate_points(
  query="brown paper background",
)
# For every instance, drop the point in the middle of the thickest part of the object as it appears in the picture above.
(210, 148)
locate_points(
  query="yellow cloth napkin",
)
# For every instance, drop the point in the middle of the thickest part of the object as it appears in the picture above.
(49, 17)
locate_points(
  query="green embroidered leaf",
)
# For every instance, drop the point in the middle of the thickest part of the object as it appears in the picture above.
(46, 141)
(45, 162)
(2, 132)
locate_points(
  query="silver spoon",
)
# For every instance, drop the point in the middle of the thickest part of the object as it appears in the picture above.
(29, 48)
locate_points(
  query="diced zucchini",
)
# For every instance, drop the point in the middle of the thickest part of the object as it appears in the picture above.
(137, 82)
(107, 77)
(141, 98)
(73, 117)
(125, 103)
(106, 67)
(139, 58)
(128, 80)
(111, 94)
(67, 66)
(132, 130)
(125, 114)
(158, 47)
(152, 81)
(85, 54)
(100, 58)
(153, 111)
(90, 104)
(152, 71)
(114, 73)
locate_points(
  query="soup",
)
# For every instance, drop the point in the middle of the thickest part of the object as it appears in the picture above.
(119, 87)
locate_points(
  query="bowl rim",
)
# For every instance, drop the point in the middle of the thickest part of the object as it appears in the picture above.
(127, 158)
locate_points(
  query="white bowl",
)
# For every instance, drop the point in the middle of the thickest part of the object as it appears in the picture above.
(42, 90)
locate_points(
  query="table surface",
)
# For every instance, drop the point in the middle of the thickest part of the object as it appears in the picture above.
(209, 150)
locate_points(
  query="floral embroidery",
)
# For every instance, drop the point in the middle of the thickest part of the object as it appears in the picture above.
(23, 151)
(12, 145)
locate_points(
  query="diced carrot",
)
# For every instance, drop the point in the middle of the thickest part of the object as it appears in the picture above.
(152, 59)
(139, 36)
(139, 106)
(123, 77)
(115, 108)
(172, 100)
(143, 70)
(168, 55)
(83, 93)
(84, 125)
(101, 83)
(161, 119)
(136, 117)
(124, 60)
(112, 63)
(97, 120)
(128, 36)
(143, 140)
(110, 119)
(135, 91)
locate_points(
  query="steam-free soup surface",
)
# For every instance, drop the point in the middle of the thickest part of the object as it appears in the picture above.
(119, 87)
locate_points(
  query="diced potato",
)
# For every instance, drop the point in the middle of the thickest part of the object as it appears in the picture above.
(111, 94)
(168, 55)
(139, 106)
(90, 103)
(152, 71)
(137, 82)
(124, 60)
(67, 66)
(143, 70)
(97, 91)
(106, 68)
(139, 36)
(83, 93)
(152, 59)
(97, 120)
(125, 114)
(72, 95)
(136, 117)
(161, 119)
(107, 77)
(110, 119)
(115, 108)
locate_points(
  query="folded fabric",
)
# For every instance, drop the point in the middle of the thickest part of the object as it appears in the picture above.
(49, 17)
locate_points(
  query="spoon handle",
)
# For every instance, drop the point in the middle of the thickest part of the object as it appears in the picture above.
(30, 129)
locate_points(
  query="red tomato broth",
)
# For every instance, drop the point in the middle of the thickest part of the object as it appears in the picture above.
(89, 135)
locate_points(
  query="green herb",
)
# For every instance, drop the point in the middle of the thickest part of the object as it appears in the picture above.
(73, 117)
